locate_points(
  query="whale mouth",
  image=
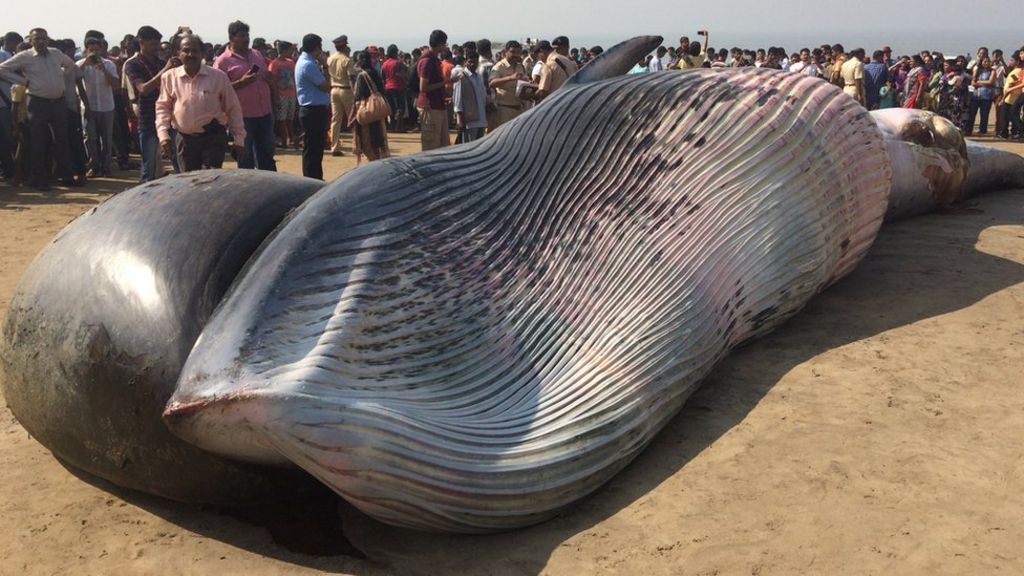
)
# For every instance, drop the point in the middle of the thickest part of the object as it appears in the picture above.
(225, 425)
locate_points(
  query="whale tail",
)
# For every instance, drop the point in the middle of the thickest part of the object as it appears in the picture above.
(617, 60)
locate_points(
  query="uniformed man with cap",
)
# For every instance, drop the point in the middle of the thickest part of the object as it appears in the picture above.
(342, 70)
(558, 68)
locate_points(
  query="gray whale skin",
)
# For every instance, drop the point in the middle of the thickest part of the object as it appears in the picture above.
(474, 338)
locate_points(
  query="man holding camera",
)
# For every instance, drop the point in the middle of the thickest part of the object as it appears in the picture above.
(247, 70)
(100, 77)
(199, 102)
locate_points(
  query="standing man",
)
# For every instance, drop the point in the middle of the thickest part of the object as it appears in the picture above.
(75, 97)
(430, 102)
(100, 77)
(41, 70)
(852, 72)
(558, 69)
(342, 70)
(505, 76)
(199, 103)
(6, 125)
(656, 64)
(247, 70)
(876, 74)
(313, 84)
(144, 71)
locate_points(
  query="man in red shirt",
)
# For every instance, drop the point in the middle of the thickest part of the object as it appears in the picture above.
(395, 72)
(282, 72)
(430, 102)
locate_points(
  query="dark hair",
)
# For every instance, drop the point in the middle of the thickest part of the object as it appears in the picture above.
(34, 30)
(392, 51)
(469, 46)
(484, 46)
(918, 61)
(662, 50)
(148, 33)
(837, 48)
(90, 41)
(311, 42)
(560, 41)
(512, 44)
(237, 27)
(364, 60)
(878, 55)
(596, 51)
(694, 48)
(12, 36)
(437, 38)
(94, 34)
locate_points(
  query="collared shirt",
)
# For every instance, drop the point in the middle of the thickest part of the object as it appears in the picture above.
(99, 91)
(4, 55)
(71, 98)
(395, 74)
(429, 68)
(255, 96)
(188, 104)
(655, 65)
(342, 69)
(42, 74)
(139, 69)
(558, 69)
(308, 78)
(469, 96)
(505, 93)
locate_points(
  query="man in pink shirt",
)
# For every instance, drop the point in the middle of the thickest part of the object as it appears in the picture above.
(247, 70)
(199, 102)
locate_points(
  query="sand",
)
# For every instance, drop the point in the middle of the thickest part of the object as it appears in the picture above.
(877, 432)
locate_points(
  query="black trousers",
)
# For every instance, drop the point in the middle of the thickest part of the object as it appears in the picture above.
(7, 140)
(76, 143)
(122, 134)
(203, 150)
(314, 123)
(48, 126)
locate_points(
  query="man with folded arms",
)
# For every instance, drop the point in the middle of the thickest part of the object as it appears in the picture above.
(41, 70)
(199, 102)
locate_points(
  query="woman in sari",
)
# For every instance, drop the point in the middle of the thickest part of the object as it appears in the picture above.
(916, 83)
(370, 140)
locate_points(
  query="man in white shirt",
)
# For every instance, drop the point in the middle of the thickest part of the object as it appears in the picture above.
(656, 64)
(100, 79)
(41, 70)
(805, 65)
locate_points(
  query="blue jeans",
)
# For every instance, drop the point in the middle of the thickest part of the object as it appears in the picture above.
(259, 143)
(149, 145)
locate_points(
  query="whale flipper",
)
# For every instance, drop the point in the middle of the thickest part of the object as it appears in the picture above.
(615, 61)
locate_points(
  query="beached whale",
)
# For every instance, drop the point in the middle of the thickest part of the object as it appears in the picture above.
(102, 321)
(474, 338)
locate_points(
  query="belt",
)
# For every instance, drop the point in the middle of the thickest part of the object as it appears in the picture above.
(850, 84)
(341, 87)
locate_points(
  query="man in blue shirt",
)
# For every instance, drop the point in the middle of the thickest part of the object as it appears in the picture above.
(313, 88)
(875, 76)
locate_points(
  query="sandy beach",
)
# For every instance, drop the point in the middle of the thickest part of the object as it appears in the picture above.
(877, 432)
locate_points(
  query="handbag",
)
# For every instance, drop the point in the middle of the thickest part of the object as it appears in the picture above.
(373, 109)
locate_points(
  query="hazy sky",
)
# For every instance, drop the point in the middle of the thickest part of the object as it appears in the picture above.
(409, 20)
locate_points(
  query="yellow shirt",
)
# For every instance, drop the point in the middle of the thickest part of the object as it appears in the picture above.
(687, 62)
(342, 69)
(559, 68)
(505, 94)
(1013, 78)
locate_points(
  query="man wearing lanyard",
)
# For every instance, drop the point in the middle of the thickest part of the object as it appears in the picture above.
(313, 85)
(41, 70)
(247, 70)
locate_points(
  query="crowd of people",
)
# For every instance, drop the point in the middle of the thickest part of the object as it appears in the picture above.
(69, 114)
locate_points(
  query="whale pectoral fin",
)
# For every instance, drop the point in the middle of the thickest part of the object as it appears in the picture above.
(617, 60)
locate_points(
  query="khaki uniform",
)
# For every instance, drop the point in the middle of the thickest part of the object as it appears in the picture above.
(342, 69)
(556, 71)
(509, 105)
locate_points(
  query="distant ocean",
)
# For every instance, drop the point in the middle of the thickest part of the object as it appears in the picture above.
(907, 42)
